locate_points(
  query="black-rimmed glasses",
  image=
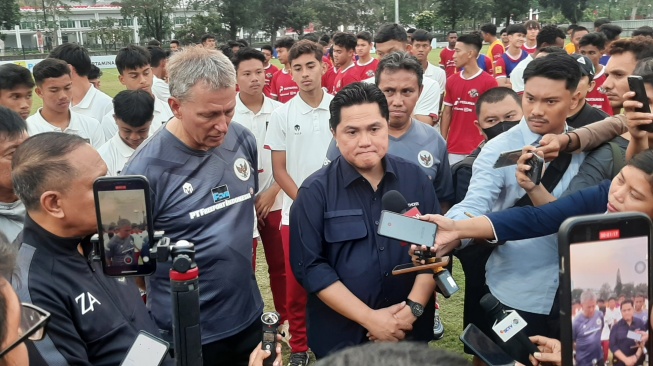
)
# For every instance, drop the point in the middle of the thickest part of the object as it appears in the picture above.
(33, 320)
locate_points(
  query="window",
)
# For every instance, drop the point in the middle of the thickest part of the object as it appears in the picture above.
(28, 25)
(85, 23)
(67, 24)
(126, 22)
(181, 20)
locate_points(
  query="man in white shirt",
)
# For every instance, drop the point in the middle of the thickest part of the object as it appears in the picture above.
(132, 112)
(85, 98)
(158, 61)
(421, 47)
(54, 85)
(253, 110)
(135, 73)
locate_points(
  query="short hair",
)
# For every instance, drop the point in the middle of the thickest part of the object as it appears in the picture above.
(451, 31)
(50, 68)
(206, 37)
(548, 34)
(393, 354)
(552, 50)
(154, 43)
(284, 42)
(516, 28)
(611, 31)
(175, 42)
(596, 39)
(627, 301)
(40, 165)
(390, 32)
(502, 31)
(194, 65)
(123, 223)
(227, 51)
(75, 55)
(326, 38)
(532, 24)
(311, 37)
(578, 29)
(134, 107)
(345, 40)
(243, 42)
(356, 94)
(11, 124)
(600, 21)
(267, 47)
(555, 67)
(644, 30)
(496, 95)
(644, 69)
(13, 76)
(400, 61)
(572, 27)
(365, 36)
(95, 72)
(490, 29)
(132, 57)
(421, 35)
(472, 39)
(232, 43)
(247, 53)
(305, 47)
(640, 294)
(641, 47)
(612, 298)
(587, 295)
(157, 56)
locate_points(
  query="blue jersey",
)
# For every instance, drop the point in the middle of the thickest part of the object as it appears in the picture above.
(207, 198)
(586, 334)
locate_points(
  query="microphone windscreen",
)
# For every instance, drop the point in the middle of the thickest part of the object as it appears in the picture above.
(490, 304)
(394, 201)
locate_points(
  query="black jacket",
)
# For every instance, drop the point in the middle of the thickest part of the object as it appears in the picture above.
(94, 318)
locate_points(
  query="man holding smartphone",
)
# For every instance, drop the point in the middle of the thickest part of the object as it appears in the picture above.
(628, 337)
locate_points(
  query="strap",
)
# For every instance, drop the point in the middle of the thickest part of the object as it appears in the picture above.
(551, 177)
(618, 158)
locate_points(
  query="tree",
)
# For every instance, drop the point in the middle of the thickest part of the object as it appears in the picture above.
(276, 13)
(510, 9)
(236, 14)
(426, 20)
(571, 9)
(452, 11)
(152, 15)
(110, 33)
(575, 294)
(299, 17)
(199, 25)
(9, 13)
(618, 287)
(605, 292)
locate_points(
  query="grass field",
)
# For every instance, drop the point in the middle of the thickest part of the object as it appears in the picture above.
(451, 309)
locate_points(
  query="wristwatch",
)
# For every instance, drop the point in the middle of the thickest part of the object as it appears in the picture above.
(416, 308)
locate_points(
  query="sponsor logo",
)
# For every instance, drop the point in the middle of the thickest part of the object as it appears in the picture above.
(220, 193)
(242, 169)
(81, 301)
(187, 187)
(298, 130)
(219, 206)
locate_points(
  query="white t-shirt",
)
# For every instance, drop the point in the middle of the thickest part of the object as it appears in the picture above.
(303, 133)
(517, 74)
(160, 89)
(162, 113)
(80, 125)
(95, 104)
(115, 154)
(610, 318)
(436, 74)
(428, 103)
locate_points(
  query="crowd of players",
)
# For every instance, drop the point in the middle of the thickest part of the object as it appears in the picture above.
(312, 150)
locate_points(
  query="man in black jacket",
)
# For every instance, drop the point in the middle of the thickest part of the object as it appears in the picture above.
(94, 318)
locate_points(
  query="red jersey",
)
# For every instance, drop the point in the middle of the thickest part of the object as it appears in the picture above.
(495, 50)
(327, 61)
(447, 62)
(282, 86)
(597, 99)
(368, 70)
(461, 95)
(269, 73)
(528, 49)
(344, 78)
(328, 79)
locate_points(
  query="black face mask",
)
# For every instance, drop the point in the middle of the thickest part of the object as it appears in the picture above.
(499, 128)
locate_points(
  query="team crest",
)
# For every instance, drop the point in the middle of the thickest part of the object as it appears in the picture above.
(242, 169)
(598, 321)
(298, 130)
(268, 75)
(369, 73)
(473, 93)
(425, 159)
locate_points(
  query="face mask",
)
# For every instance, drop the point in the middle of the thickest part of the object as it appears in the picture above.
(499, 128)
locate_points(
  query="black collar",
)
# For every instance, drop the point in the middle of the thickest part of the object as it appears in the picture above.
(37, 236)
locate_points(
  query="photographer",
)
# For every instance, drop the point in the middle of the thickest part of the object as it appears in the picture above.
(94, 318)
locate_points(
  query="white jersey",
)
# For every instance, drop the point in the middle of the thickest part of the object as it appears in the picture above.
(162, 113)
(95, 104)
(80, 125)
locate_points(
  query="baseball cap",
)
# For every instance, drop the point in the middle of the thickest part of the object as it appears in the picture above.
(586, 65)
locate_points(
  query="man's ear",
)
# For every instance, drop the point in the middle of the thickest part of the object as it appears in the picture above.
(591, 86)
(51, 204)
(575, 99)
(39, 92)
(175, 106)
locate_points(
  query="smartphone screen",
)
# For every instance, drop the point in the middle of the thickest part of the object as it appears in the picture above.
(407, 229)
(124, 228)
(147, 350)
(608, 289)
(484, 348)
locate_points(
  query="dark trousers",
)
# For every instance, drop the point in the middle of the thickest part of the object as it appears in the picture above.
(235, 350)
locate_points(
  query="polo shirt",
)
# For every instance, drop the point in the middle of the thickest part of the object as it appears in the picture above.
(586, 116)
(282, 86)
(269, 73)
(303, 132)
(258, 125)
(345, 77)
(162, 114)
(424, 147)
(115, 154)
(447, 62)
(436, 74)
(160, 89)
(596, 98)
(95, 104)
(367, 70)
(207, 198)
(504, 65)
(80, 125)
(333, 237)
(619, 340)
(586, 334)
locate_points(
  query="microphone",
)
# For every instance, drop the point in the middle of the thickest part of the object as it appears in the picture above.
(508, 328)
(394, 201)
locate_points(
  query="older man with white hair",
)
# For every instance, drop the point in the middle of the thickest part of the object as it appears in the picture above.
(586, 332)
(203, 171)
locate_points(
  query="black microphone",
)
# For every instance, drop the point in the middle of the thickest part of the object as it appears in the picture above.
(519, 347)
(394, 201)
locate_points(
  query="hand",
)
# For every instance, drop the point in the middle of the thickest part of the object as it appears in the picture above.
(522, 168)
(550, 351)
(258, 355)
(414, 258)
(384, 326)
(551, 145)
(404, 315)
(636, 120)
(264, 202)
(447, 238)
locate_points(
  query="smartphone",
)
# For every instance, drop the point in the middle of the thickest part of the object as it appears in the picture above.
(602, 257)
(537, 166)
(147, 350)
(408, 229)
(122, 206)
(508, 158)
(484, 348)
(636, 84)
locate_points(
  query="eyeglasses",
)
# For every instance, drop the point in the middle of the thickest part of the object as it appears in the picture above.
(33, 320)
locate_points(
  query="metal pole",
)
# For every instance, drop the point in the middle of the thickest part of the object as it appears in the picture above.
(397, 11)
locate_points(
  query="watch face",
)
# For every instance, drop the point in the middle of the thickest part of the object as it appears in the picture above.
(417, 309)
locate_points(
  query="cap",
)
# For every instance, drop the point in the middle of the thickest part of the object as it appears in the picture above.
(586, 66)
